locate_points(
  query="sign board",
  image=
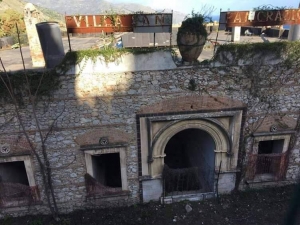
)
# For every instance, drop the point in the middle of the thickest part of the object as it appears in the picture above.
(139, 23)
(262, 18)
(152, 23)
(99, 23)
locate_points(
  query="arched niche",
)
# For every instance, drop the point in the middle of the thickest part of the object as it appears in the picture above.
(222, 143)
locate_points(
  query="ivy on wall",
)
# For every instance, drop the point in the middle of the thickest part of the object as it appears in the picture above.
(288, 51)
(42, 83)
(107, 54)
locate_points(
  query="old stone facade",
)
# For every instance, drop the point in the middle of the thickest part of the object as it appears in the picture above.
(127, 119)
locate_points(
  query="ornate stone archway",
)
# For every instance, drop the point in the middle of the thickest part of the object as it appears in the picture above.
(221, 141)
(156, 129)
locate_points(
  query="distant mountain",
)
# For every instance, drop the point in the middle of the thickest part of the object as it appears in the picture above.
(18, 5)
(85, 7)
(74, 7)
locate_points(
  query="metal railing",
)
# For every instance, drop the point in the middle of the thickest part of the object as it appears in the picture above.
(95, 188)
(15, 194)
(268, 164)
(187, 181)
(272, 164)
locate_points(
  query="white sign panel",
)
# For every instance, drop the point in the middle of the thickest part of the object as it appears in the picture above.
(152, 23)
(251, 15)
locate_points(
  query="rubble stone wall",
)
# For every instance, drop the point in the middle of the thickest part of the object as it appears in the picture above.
(87, 102)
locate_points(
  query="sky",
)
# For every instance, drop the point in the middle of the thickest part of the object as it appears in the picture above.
(186, 6)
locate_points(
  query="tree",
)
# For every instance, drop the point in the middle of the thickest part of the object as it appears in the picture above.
(24, 92)
(207, 10)
(8, 22)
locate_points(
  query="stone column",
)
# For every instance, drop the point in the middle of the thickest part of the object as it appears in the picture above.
(294, 33)
(32, 17)
(236, 34)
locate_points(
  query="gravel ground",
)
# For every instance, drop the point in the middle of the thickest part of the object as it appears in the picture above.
(259, 207)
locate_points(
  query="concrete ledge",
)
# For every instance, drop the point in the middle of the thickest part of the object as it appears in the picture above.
(189, 197)
(160, 60)
(265, 184)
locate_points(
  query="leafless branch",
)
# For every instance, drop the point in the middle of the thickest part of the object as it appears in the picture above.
(53, 123)
(7, 122)
(207, 10)
(44, 166)
(20, 47)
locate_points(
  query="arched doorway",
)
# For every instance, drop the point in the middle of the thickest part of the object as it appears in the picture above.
(190, 153)
(157, 130)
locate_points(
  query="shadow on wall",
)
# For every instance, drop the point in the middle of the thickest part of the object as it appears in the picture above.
(105, 98)
(96, 78)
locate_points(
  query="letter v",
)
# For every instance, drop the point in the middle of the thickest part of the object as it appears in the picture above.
(78, 22)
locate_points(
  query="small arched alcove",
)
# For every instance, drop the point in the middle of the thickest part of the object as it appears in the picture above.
(192, 148)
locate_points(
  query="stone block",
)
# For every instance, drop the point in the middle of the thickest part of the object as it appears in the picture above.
(152, 190)
(226, 182)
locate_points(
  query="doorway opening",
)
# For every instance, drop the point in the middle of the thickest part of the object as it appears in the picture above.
(190, 162)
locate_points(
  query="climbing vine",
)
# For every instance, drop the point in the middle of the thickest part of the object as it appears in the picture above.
(106, 54)
(269, 7)
(261, 84)
(43, 88)
(230, 54)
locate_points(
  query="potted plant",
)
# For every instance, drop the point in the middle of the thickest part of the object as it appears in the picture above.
(191, 36)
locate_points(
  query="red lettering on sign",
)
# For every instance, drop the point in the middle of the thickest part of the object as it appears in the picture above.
(77, 21)
(86, 21)
(237, 18)
(286, 15)
(263, 18)
(293, 15)
(298, 14)
(246, 16)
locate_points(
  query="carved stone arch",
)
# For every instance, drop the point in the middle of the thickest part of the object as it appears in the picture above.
(222, 142)
(214, 121)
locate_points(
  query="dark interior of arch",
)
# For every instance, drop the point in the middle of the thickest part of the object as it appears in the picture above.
(193, 148)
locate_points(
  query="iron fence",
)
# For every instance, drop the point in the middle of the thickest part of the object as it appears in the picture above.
(95, 188)
(272, 164)
(187, 181)
(16, 194)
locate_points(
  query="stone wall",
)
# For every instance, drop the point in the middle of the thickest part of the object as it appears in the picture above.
(93, 102)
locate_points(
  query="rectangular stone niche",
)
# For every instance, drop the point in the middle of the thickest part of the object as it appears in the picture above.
(267, 161)
(13, 172)
(106, 171)
(17, 182)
